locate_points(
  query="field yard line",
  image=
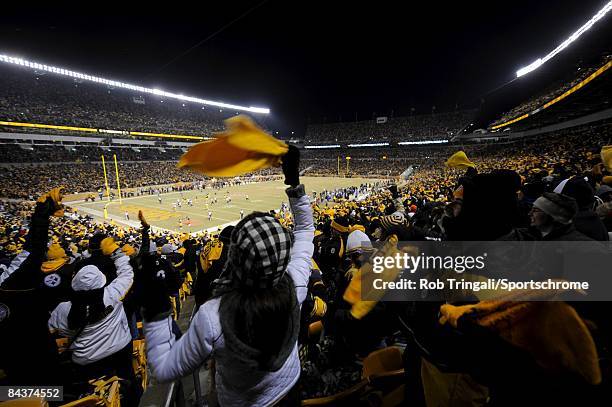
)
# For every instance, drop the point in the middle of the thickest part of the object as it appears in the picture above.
(203, 215)
(151, 205)
(128, 198)
(152, 197)
(130, 223)
(221, 209)
(136, 225)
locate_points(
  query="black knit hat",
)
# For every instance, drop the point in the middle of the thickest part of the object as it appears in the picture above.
(581, 191)
(95, 241)
(259, 251)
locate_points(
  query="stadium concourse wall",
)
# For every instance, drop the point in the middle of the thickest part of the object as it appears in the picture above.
(503, 136)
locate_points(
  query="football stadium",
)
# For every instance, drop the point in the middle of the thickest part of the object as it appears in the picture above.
(322, 204)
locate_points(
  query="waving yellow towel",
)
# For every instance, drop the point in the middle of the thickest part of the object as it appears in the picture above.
(242, 148)
(459, 160)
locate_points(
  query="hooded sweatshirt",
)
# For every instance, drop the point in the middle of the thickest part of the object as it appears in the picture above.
(108, 335)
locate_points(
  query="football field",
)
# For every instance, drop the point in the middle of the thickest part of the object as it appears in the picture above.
(262, 196)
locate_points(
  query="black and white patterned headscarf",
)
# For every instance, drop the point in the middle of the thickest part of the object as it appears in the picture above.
(259, 252)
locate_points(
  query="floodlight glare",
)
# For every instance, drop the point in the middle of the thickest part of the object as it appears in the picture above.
(369, 145)
(410, 143)
(66, 72)
(322, 147)
(540, 61)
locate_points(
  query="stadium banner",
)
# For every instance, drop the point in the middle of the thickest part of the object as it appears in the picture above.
(468, 271)
(381, 120)
(139, 100)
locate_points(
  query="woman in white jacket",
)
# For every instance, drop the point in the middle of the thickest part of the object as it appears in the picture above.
(250, 327)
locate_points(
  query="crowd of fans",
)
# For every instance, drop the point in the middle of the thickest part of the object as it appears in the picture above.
(37, 97)
(409, 128)
(554, 90)
(392, 161)
(279, 299)
(594, 98)
(25, 180)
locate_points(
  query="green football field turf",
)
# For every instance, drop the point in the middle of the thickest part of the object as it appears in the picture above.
(263, 196)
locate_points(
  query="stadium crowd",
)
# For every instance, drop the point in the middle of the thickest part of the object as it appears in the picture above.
(38, 97)
(24, 181)
(280, 298)
(553, 91)
(418, 127)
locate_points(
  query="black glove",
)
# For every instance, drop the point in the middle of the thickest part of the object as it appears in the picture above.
(403, 232)
(153, 294)
(291, 166)
(393, 189)
(39, 226)
(44, 210)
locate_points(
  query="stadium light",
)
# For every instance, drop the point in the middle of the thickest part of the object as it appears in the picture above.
(540, 61)
(320, 147)
(369, 145)
(409, 143)
(159, 92)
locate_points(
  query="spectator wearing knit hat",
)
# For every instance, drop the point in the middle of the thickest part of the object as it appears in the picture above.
(586, 220)
(552, 215)
(96, 258)
(251, 327)
(95, 321)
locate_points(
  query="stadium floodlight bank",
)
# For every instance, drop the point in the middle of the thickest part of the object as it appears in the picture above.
(96, 79)
(369, 145)
(383, 144)
(540, 61)
(322, 147)
(410, 143)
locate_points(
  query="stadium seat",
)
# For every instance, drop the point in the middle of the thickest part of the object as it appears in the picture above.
(139, 361)
(382, 361)
(62, 344)
(174, 308)
(187, 285)
(105, 393)
(27, 402)
(381, 383)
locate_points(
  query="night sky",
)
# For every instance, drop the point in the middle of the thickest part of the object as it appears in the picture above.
(306, 61)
